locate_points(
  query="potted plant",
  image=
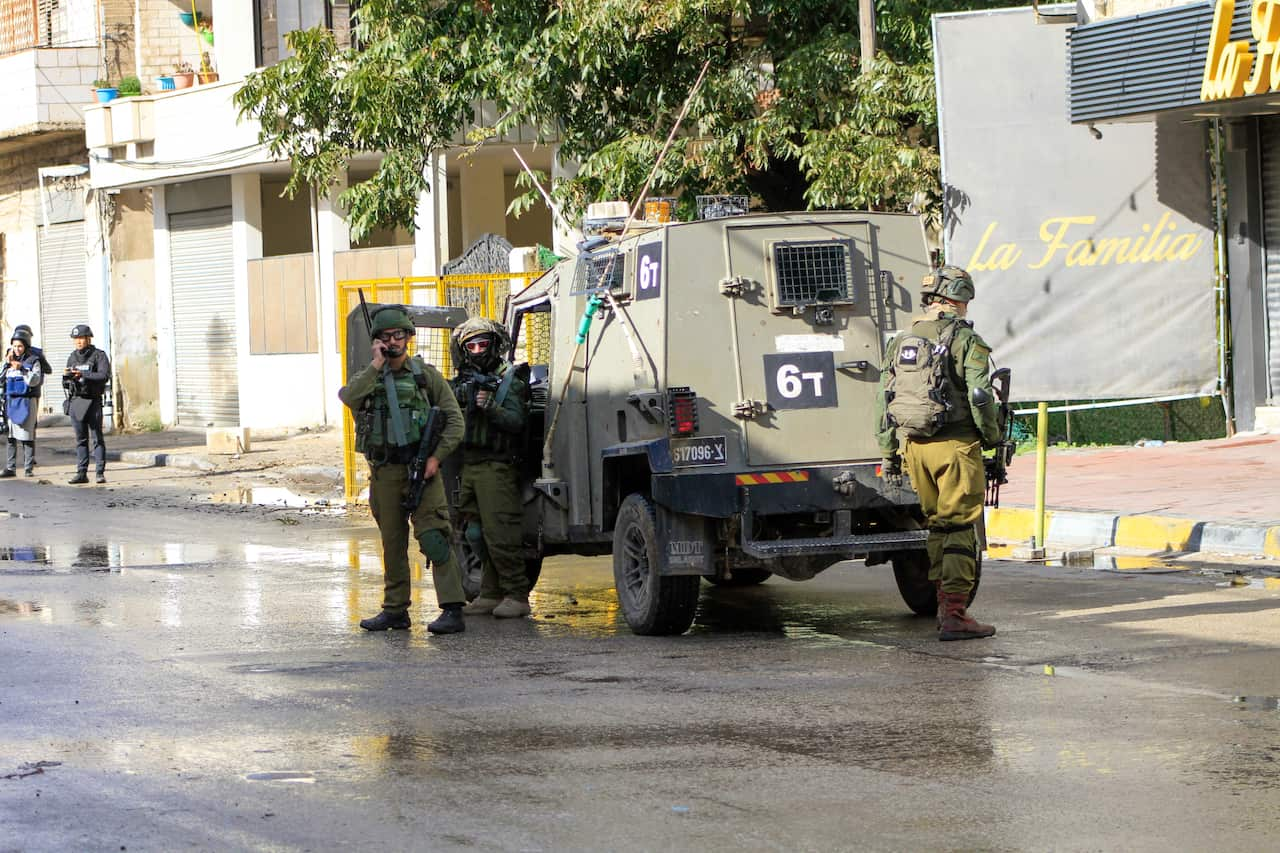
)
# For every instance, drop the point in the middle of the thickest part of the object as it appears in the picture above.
(183, 75)
(104, 91)
(130, 86)
(206, 74)
(206, 32)
(165, 82)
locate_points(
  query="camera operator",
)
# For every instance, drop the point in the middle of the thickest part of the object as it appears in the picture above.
(85, 381)
(22, 377)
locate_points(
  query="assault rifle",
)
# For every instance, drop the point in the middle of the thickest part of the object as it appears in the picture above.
(469, 383)
(997, 466)
(431, 432)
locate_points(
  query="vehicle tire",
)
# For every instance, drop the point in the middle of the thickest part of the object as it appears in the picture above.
(652, 604)
(911, 571)
(742, 577)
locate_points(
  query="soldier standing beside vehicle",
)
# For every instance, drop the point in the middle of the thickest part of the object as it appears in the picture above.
(390, 400)
(495, 397)
(937, 408)
(85, 381)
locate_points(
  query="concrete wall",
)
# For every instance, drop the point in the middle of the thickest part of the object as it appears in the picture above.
(133, 312)
(45, 86)
(534, 226)
(19, 221)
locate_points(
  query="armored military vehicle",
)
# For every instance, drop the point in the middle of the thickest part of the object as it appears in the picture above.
(701, 388)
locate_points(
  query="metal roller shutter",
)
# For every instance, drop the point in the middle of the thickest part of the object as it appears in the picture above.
(1271, 240)
(204, 318)
(64, 300)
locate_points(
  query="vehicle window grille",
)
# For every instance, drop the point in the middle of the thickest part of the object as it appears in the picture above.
(809, 273)
(593, 269)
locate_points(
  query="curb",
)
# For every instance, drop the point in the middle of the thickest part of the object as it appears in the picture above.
(148, 459)
(1135, 532)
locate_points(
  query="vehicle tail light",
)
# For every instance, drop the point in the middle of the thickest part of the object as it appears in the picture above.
(682, 411)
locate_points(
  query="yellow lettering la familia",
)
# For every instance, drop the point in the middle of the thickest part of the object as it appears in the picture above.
(1063, 242)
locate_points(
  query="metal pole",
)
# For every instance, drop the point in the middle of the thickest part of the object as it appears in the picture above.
(1220, 279)
(1042, 452)
(867, 32)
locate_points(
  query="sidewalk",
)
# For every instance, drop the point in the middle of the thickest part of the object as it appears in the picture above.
(303, 455)
(1212, 497)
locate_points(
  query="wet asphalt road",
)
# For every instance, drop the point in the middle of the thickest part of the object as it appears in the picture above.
(200, 682)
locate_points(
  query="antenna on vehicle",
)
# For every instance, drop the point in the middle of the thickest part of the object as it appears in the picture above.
(595, 300)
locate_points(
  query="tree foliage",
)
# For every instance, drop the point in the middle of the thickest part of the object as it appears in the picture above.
(785, 115)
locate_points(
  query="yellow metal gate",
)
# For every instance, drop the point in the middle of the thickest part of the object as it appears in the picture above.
(482, 294)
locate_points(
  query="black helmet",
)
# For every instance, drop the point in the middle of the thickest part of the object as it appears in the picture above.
(21, 333)
(82, 331)
(23, 327)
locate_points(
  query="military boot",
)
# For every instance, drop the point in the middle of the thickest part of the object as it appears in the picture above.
(482, 606)
(449, 622)
(384, 621)
(956, 624)
(511, 608)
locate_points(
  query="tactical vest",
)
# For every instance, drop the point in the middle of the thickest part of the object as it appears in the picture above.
(922, 393)
(373, 421)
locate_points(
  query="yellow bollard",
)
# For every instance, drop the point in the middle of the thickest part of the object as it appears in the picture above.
(1042, 449)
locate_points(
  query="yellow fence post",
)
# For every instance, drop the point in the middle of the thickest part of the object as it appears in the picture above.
(1042, 453)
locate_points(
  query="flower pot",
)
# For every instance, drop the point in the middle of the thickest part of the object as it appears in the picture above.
(207, 35)
(166, 83)
(208, 76)
(184, 81)
(190, 19)
(106, 95)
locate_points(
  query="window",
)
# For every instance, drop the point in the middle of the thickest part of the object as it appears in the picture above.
(593, 268)
(812, 272)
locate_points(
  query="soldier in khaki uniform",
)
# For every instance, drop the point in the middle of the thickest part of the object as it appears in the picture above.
(937, 407)
(388, 435)
(495, 396)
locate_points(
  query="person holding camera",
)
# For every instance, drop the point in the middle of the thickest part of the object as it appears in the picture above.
(495, 396)
(22, 377)
(84, 382)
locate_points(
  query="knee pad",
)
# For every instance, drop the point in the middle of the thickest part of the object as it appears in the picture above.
(435, 545)
(474, 533)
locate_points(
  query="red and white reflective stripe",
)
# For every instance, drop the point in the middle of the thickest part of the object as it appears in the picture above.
(771, 477)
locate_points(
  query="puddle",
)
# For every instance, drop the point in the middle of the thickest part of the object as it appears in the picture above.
(1258, 703)
(277, 496)
(282, 776)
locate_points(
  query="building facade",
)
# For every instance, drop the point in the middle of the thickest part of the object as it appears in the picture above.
(1210, 62)
(160, 220)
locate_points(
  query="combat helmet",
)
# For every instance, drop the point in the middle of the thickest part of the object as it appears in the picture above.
(946, 282)
(21, 334)
(82, 330)
(473, 328)
(392, 317)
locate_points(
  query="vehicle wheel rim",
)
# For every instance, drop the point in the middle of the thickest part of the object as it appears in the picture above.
(635, 554)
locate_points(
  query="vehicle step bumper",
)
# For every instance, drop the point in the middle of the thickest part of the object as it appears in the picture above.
(900, 540)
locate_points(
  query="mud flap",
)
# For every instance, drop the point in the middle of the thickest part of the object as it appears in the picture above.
(688, 543)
